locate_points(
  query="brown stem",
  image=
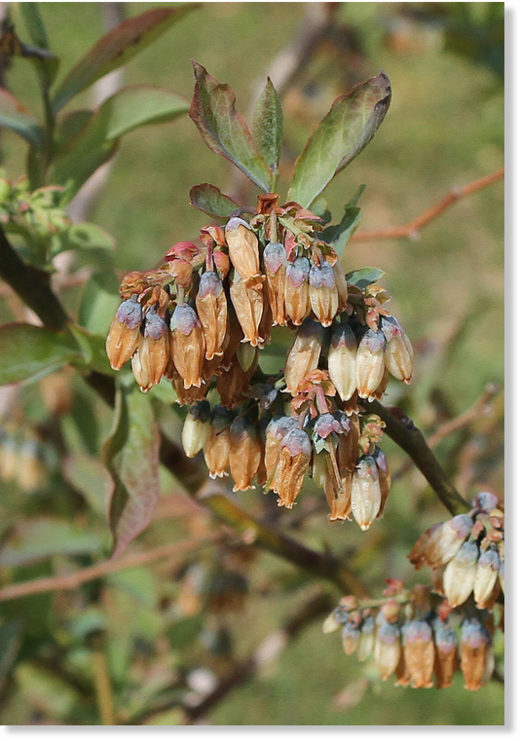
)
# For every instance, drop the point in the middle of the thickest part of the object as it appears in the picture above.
(269, 649)
(454, 425)
(321, 564)
(412, 229)
(403, 432)
(74, 579)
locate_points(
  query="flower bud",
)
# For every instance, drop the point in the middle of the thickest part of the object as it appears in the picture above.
(212, 311)
(294, 460)
(304, 355)
(474, 656)
(217, 447)
(459, 575)
(486, 577)
(276, 431)
(196, 429)
(399, 354)
(370, 363)
(350, 636)
(187, 345)
(123, 335)
(245, 453)
(385, 478)
(387, 649)
(367, 639)
(233, 383)
(341, 360)
(153, 351)
(348, 447)
(419, 652)
(366, 493)
(333, 621)
(296, 291)
(243, 251)
(485, 500)
(440, 543)
(274, 261)
(323, 294)
(446, 655)
(249, 305)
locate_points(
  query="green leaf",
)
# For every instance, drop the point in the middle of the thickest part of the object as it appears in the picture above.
(346, 129)
(267, 128)
(338, 235)
(28, 352)
(83, 236)
(223, 129)
(123, 112)
(131, 455)
(99, 302)
(14, 116)
(92, 346)
(364, 277)
(116, 48)
(37, 539)
(209, 199)
(47, 66)
(90, 478)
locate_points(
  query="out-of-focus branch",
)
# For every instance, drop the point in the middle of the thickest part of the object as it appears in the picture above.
(413, 228)
(76, 578)
(480, 407)
(403, 432)
(266, 652)
(321, 564)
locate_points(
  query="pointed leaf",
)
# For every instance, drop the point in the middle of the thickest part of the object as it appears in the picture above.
(267, 128)
(14, 116)
(99, 302)
(364, 277)
(223, 129)
(346, 129)
(212, 201)
(132, 457)
(338, 235)
(28, 352)
(47, 66)
(116, 48)
(35, 540)
(96, 142)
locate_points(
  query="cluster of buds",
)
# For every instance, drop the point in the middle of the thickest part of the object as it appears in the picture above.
(466, 554)
(201, 320)
(414, 636)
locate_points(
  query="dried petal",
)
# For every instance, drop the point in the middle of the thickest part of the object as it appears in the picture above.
(187, 345)
(296, 291)
(323, 294)
(387, 649)
(474, 657)
(243, 251)
(440, 543)
(245, 454)
(249, 305)
(446, 655)
(419, 652)
(213, 312)
(304, 355)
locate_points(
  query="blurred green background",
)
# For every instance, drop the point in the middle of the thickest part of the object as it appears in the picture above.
(444, 128)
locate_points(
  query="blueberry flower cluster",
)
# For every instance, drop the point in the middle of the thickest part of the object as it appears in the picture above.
(201, 321)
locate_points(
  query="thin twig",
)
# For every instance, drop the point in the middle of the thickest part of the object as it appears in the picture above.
(74, 579)
(412, 229)
(104, 694)
(403, 432)
(454, 425)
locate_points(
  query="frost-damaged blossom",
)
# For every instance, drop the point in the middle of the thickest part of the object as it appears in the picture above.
(295, 456)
